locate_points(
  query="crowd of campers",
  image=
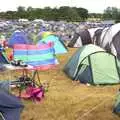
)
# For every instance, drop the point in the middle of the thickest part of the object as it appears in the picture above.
(34, 46)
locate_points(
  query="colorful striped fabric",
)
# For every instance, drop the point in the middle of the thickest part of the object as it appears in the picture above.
(40, 57)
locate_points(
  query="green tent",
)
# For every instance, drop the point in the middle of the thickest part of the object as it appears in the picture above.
(91, 64)
(1, 116)
(116, 108)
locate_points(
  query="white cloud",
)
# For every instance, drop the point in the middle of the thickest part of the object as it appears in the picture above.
(8, 5)
(91, 5)
(43, 3)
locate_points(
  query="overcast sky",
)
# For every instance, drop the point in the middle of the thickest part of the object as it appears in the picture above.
(95, 6)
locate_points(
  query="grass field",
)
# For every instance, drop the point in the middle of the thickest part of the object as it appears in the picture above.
(68, 101)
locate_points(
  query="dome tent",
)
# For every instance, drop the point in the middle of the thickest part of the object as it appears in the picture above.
(45, 34)
(59, 46)
(90, 65)
(80, 38)
(18, 37)
(93, 30)
(116, 107)
(110, 39)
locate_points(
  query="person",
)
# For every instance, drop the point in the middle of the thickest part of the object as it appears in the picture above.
(2, 48)
(5, 44)
(10, 56)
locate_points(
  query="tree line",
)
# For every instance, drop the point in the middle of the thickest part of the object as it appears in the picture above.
(47, 13)
(63, 13)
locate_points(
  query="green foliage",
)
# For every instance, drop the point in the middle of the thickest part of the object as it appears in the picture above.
(67, 13)
(112, 13)
(63, 13)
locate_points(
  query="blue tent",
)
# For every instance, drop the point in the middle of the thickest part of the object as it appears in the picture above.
(3, 56)
(10, 106)
(58, 44)
(18, 37)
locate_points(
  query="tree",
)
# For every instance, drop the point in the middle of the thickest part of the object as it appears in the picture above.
(62, 13)
(29, 9)
(55, 14)
(21, 13)
(111, 13)
(21, 9)
(83, 13)
(73, 14)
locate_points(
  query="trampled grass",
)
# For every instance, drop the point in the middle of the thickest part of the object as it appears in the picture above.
(68, 101)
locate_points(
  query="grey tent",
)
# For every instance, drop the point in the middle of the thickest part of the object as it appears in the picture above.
(92, 32)
(97, 35)
(80, 39)
(110, 39)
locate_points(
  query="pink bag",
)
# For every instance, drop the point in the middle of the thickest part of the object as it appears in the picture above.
(33, 93)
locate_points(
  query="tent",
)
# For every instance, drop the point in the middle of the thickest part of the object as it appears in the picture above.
(1, 116)
(10, 106)
(3, 56)
(39, 57)
(80, 39)
(99, 36)
(116, 108)
(110, 40)
(18, 37)
(45, 34)
(91, 64)
(59, 46)
(92, 31)
(96, 36)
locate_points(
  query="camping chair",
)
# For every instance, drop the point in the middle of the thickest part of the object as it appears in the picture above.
(26, 81)
(29, 82)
